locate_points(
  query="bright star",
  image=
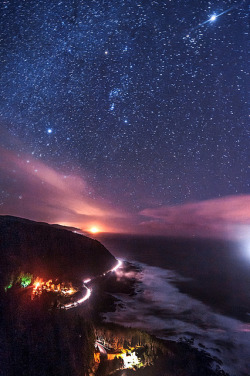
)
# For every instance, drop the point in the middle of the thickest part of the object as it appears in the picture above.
(49, 130)
(213, 17)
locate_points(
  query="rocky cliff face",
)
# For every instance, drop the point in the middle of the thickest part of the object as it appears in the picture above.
(49, 252)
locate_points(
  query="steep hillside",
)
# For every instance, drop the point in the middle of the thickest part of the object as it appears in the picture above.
(41, 249)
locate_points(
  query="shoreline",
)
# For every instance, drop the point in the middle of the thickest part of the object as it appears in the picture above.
(212, 340)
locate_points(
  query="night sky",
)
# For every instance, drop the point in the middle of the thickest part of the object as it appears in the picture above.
(127, 115)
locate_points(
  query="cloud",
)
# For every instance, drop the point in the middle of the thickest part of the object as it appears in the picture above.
(37, 191)
(221, 217)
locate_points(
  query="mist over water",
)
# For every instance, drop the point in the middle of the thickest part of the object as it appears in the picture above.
(202, 294)
(216, 272)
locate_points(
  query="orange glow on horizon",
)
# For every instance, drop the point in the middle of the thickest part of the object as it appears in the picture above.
(94, 230)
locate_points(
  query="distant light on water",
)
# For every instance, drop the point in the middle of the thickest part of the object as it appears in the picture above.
(247, 248)
(243, 236)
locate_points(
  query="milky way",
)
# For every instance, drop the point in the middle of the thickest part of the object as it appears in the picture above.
(149, 107)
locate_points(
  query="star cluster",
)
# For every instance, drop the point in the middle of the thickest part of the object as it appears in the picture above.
(145, 97)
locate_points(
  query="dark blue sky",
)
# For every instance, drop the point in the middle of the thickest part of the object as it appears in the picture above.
(145, 100)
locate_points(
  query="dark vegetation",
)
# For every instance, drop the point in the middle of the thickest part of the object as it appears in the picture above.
(184, 361)
(37, 339)
(159, 357)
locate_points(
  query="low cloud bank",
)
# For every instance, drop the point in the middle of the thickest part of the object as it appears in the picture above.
(34, 190)
(222, 217)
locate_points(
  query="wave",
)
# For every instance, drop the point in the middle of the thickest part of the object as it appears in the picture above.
(161, 309)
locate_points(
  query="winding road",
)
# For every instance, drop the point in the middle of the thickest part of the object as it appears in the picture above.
(88, 292)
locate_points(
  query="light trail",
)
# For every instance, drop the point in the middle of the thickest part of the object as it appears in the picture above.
(117, 266)
(83, 299)
(86, 297)
(87, 280)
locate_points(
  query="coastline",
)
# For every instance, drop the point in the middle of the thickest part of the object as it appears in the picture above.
(217, 335)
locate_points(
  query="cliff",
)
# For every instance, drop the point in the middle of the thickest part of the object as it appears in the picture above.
(49, 252)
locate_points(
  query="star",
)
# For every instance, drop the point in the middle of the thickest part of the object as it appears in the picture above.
(213, 18)
(143, 104)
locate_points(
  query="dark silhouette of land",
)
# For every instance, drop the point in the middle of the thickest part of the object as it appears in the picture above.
(47, 251)
(38, 339)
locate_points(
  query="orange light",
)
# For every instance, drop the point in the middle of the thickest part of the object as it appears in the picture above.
(94, 229)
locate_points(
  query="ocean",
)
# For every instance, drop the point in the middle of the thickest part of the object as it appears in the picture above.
(194, 288)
